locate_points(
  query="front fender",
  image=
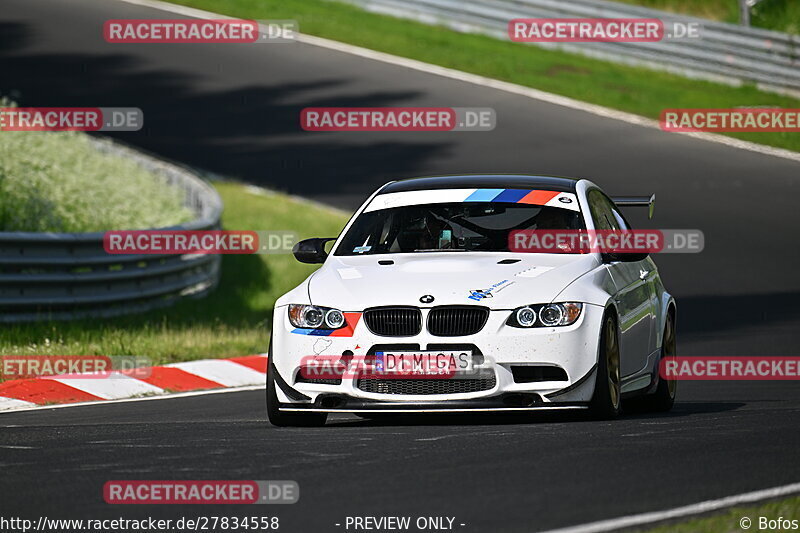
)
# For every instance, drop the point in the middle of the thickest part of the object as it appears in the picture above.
(595, 287)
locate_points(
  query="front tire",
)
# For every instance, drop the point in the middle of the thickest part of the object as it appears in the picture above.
(281, 419)
(607, 399)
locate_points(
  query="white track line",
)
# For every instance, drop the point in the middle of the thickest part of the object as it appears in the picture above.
(127, 400)
(485, 82)
(680, 512)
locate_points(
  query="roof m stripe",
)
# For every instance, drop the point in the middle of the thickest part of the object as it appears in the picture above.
(512, 195)
(484, 195)
(538, 197)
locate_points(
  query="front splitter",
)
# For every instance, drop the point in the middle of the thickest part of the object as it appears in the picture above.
(412, 410)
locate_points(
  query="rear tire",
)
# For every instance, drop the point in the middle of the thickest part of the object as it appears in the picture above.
(607, 399)
(664, 397)
(281, 419)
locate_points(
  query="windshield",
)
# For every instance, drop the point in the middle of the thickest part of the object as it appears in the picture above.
(480, 226)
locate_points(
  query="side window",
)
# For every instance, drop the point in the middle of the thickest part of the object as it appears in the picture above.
(603, 212)
(621, 222)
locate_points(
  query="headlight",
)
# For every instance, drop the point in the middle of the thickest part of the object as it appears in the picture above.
(313, 316)
(549, 315)
(334, 318)
(525, 317)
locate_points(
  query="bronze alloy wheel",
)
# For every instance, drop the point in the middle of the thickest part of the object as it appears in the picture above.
(607, 397)
(663, 397)
(612, 363)
(669, 351)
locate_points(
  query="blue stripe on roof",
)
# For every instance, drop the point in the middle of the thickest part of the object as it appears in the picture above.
(512, 195)
(484, 195)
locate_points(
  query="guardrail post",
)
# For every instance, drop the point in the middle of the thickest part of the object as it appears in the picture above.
(744, 12)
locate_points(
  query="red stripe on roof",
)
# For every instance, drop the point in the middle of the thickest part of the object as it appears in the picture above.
(538, 197)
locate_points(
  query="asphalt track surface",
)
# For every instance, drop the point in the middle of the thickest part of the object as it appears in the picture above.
(233, 109)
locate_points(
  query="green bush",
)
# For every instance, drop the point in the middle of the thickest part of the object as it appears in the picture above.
(778, 15)
(59, 182)
(781, 15)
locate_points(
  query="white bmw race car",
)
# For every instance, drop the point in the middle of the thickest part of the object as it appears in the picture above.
(422, 305)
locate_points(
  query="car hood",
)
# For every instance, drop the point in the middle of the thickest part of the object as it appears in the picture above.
(494, 280)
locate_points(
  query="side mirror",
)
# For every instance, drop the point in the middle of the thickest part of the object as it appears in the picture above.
(624, 257)
(311, 250)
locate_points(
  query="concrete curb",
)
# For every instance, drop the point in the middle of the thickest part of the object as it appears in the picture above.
(205, 374)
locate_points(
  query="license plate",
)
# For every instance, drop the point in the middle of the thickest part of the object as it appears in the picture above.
(423, 363)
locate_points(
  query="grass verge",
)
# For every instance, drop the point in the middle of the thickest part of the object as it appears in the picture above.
(233, 320)
(59, 182)
(730, 520)
(636, 90)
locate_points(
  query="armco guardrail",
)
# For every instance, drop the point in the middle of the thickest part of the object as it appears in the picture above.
(725, 52)
(69, 275)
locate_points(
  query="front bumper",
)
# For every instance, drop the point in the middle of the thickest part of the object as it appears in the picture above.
(573, 349)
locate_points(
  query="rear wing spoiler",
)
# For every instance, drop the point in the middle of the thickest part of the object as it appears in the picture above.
(637, 201)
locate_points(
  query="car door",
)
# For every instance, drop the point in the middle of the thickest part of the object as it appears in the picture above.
(634, 297)
(649, 274)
